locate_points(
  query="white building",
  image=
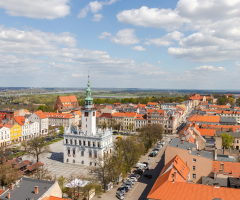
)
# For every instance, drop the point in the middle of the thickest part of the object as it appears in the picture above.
(30, 129)
(4, 136)
(82, 146)
(42, 119)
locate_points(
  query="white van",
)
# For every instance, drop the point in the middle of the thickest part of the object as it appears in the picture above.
(141, 165)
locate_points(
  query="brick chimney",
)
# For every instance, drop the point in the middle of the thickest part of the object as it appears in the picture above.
(11, 186)
(36, 189)
(8, 195)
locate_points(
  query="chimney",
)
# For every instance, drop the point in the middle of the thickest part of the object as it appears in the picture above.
(8, 195)
(175, 175)
(36, 189)
(11, 186)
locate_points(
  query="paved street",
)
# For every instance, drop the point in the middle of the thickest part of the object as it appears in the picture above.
(53, 161)
(141, 188)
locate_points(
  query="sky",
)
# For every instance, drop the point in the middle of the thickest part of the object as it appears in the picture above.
(160, 44)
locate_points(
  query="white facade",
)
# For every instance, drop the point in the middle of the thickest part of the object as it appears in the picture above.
(43, 123)
(30, 130)
(83, 146)
(4, 136)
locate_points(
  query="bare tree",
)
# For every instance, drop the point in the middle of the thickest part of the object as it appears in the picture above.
(37, 147)
(8, 174)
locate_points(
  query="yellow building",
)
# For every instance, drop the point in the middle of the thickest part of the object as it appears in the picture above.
(16, 133)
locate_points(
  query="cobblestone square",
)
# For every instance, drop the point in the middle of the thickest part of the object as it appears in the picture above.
(53, 161)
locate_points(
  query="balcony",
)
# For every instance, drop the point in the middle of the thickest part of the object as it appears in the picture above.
(69, 155)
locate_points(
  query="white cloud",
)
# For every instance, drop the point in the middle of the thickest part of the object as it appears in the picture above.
(41, 9)
(78, 75)
(83, 12)
(138, 48)
(104, 35)
(97, 17)
(159, 62)
(210, 68)
(208, 9)
(237, 63)
(152, 17)
(125, 37)
(165, 40)
(95, 6)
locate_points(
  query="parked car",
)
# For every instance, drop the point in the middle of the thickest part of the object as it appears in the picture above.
(127, 186)
(138, 171)
(131, 183)
(134, 175)
(145, 163)
(119, 196)
(148, 175)
(163, 142)
(123, 188)
(152, 155)
(132, 178)
(121, 191)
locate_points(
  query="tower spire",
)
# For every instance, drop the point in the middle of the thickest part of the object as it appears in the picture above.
(88, 99)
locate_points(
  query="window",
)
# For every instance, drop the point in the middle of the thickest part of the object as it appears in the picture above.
(73, 161)
(84, 143)
(75, 142)
(73, 151)
(67, 160)
(80, 142)
(93, 114)
(68, 151)
(194, 167)
(194, 176)
(95, 164)
(71, 141)
(86, 126)
(194, 160)
(98, 144)
(90, 163)
(237, 141)
(89, 143)
(93, 144)
(86, 114)
(86, 119)
(90, 154)
(82, 162)
(82, 153)
(95, 155)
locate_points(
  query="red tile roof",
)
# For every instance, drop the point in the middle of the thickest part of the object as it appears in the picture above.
(41, 114)
(219, 106)
(207, 132)
(106, 115)
(6, 125)
(34, 166)
(124, 114)
(218, 127)
(59, 115)
(231, 168)
(20, 120)
(140, 117)
(150, 111)
(22, 164)
(71, 98)
(204, 118)
(2, 191)
(152, 103)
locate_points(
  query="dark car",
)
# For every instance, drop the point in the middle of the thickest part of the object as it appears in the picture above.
(152, 155)
(148, 175)
(138, 171)
(145, 163)
(123, 188)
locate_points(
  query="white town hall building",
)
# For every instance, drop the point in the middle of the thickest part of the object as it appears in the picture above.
(82, 146)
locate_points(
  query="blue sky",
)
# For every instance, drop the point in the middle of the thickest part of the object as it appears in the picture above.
(184, 44)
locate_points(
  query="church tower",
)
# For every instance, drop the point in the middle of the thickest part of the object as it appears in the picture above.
(89, 114)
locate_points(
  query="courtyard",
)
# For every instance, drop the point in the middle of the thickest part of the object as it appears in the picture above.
(53, 161)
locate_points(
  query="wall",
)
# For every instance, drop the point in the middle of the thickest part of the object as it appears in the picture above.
(55, 191)
(203, 166)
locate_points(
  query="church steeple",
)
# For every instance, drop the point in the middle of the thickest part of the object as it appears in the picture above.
(88, 99)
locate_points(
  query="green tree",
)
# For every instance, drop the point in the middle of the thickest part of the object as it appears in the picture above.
(61, 181)
(61, 129)
(150, 133)
(37, 147)
(227, 140)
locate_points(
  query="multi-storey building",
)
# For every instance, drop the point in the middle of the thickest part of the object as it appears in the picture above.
(140, 121)
(42, 119)
(83, 146)
(29, 129)
(155, 116)
(4, 136)
(58, 119)
(66, 102)
(15, 133)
